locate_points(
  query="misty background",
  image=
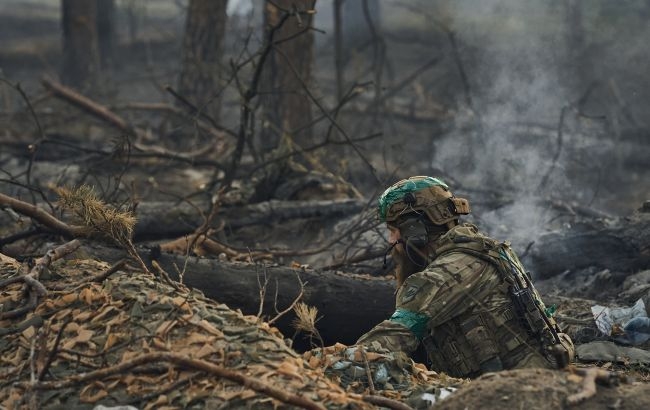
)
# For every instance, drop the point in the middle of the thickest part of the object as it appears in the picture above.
(524, 107)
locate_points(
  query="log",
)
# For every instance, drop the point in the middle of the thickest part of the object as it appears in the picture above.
(167, 220)
(621, 246)
(348, 305)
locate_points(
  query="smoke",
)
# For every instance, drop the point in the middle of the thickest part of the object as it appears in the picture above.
(515, 56)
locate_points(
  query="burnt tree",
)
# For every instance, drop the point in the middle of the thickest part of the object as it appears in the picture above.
(105, 31)
(286, 105)
(200, 72)
(80, 50)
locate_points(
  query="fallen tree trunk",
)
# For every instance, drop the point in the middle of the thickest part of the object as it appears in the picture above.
(158, 220)
(348, 305)
(165, 219)
(621, 247)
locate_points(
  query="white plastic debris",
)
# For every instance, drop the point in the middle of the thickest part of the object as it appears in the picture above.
(627, 325)
(440, 394)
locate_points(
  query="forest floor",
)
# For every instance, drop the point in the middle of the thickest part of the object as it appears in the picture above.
(114, 326)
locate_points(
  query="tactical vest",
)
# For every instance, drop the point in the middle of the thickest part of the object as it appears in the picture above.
(477, 341)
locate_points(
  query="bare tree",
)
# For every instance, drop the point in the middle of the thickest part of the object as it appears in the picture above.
(286, 105)
(581, 73)
(106, 31)
(200, 73)
(338, 48)
(80, 50)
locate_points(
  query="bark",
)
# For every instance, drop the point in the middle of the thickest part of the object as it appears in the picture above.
(106, 31)
(356, 33)
(167, 220)
(80, 49)
(348, 305)
(287, 107)
(622, 248)
(202, 48)
(338, 49)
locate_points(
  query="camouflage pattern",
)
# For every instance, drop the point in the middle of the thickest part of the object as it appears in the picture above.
(428, 195)
(436, 305)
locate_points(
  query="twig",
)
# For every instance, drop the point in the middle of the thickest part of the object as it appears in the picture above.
(41, 216)
(182, 361)
(104, 275)
(164, 275)
(327, 114)
(591, 375)
(88, 105)
(371, 383)
(405, 81)
(32, 147)
(155, 394)
(247, 97)
(53, 352)
(36, 290)
(292, 305)
(33, 395)
(196, 112)
(262, 291)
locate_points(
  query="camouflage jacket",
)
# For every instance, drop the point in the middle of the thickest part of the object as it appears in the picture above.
(460, 308)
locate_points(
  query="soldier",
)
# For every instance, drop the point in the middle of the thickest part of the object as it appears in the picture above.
(465, 296)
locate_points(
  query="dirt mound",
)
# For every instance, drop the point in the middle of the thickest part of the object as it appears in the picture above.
(131, 339)
(537, 389)
(128, 338)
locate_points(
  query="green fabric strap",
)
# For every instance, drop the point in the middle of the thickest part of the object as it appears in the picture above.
(415, 322)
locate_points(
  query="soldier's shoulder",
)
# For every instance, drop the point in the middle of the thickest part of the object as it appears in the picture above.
(456, 259)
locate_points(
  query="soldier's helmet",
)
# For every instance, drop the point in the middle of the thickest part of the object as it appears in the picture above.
(421, 194)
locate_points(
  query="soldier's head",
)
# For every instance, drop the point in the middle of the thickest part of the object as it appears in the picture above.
(417, 211)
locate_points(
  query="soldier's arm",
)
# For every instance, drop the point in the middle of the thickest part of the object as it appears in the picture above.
(407, 325)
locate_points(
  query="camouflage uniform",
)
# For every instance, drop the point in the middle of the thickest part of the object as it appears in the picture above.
(461, 308)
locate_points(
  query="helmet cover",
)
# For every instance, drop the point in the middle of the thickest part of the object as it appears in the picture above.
(421, 194)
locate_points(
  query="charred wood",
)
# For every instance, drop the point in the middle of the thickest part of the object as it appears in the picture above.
(165, 219)
(622, 246)
(348, 305)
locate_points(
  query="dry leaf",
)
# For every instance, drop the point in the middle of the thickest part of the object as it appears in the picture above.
(111, 340)
(29, 333)
(160, 401)
(67, 299)
(103, 312)
(87, 295)
(181, 302)
(86, 395)
(165, 327)
(314, 362)
(208, 327)
(84, 335)
(289, 369)
(205, 350)
(198, 338)
(84, 316)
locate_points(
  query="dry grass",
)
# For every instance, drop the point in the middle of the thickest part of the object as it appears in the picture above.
(100, 218)
(93, 213)
(305, 321)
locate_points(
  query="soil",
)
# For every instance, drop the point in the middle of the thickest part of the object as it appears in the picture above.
(537, 389)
